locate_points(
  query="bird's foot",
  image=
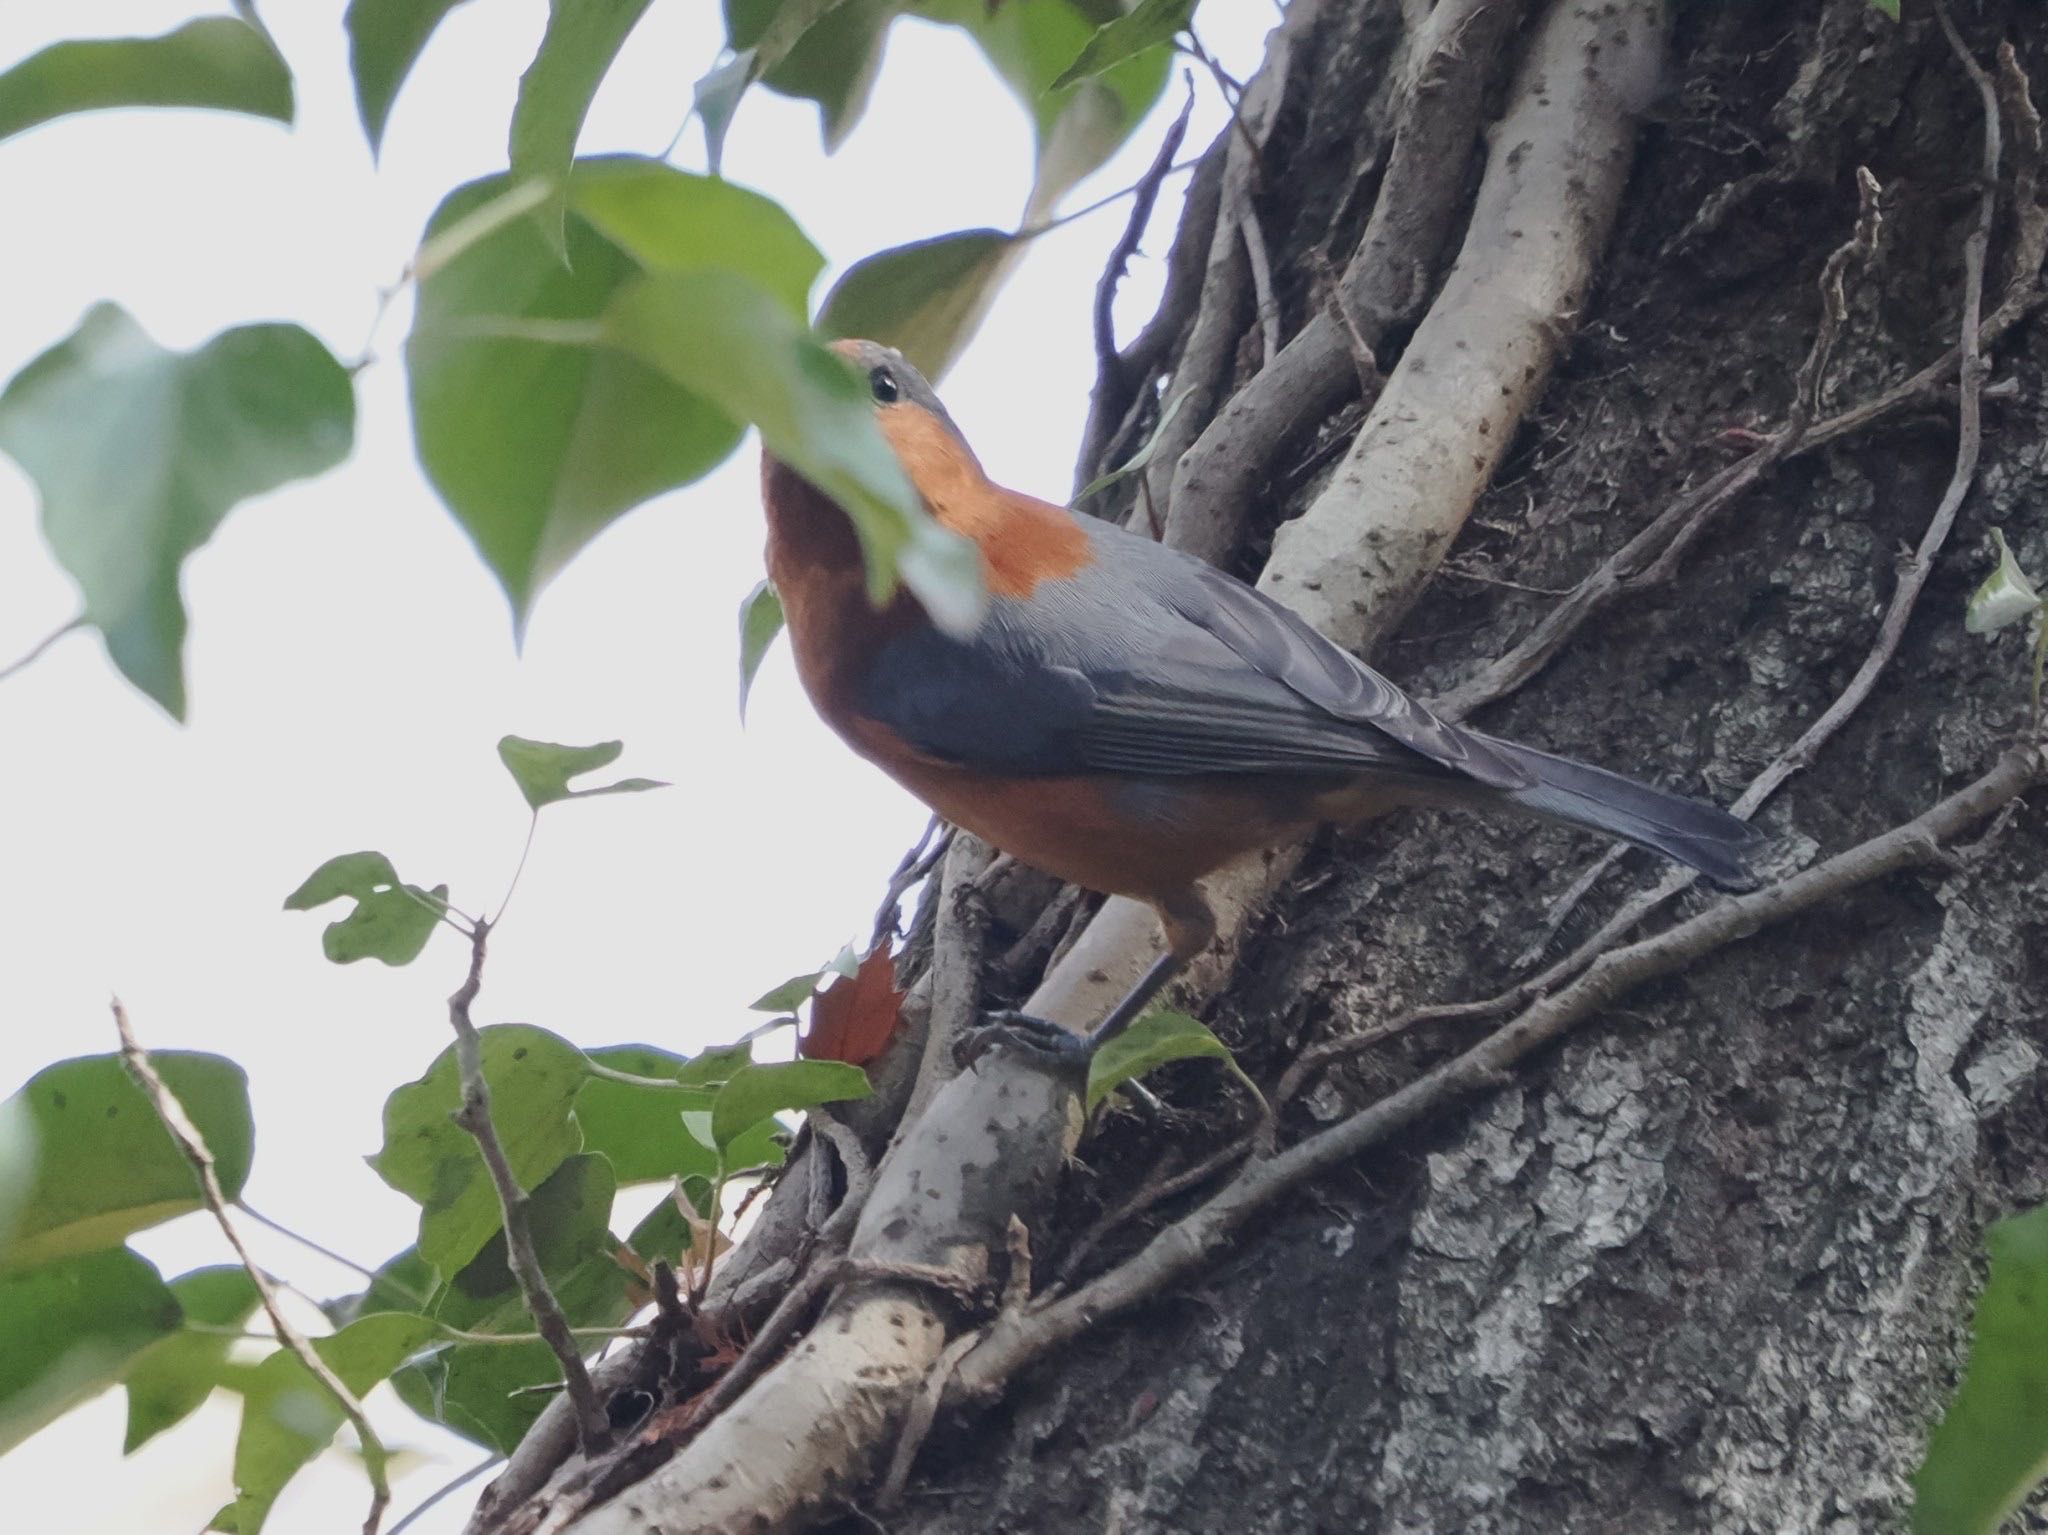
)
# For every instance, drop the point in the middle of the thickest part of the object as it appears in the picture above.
(1042, 1042)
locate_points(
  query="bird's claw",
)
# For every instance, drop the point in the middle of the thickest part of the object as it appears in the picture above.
(1040, 1041)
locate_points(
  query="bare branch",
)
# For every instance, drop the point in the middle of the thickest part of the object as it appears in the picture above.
(195, 1150)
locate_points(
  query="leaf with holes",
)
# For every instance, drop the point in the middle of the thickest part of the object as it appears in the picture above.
(104, 1164)
(854, 1019)
(219, 62)
(391, 920)
(139, 453)
(760, 622)
(543, 770)
(1151, 1042)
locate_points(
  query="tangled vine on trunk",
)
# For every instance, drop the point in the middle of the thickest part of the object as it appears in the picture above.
(1699, 1263)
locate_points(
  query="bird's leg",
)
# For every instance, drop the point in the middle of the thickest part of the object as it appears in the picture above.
(1189, 929)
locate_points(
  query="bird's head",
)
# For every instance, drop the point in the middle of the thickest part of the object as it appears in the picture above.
(901, 393)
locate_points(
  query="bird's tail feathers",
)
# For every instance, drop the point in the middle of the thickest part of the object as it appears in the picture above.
(1689, 831)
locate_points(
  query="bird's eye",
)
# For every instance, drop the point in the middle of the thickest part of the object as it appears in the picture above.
(884, 387)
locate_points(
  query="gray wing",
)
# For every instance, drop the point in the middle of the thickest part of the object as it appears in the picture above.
(1149, 661)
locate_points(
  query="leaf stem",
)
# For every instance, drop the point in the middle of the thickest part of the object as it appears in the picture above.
(403, 1291)
(36, 650)
(532, 826)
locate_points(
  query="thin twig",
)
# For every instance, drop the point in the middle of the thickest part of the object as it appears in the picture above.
(385, 1281)
(1264, 304)
(1107, 360)
(195, 1150)
(917, 1422)
(911, 869)
(35, 651)
(593, 1432)
(445, 1490)
(1912, 579)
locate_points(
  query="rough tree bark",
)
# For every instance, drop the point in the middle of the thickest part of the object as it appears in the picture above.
(1703, 1262)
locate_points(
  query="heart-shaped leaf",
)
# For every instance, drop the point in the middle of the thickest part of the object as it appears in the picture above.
(536, 445)
(854, 1019)
(139, 452)
(534, 1077)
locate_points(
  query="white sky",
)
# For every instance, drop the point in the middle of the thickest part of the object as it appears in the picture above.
(350, 661)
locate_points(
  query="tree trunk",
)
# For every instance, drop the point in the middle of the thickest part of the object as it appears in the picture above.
(1705, 1264)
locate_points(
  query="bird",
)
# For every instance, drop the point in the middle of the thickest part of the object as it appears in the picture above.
(1129, 718)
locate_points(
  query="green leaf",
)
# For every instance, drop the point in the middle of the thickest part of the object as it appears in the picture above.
(1148, 24)
(833, 61)
(790, 995)
(175, 1374)
(925, 299)
(534, 1077)
(537, 446)
(641, 1128)
(721, 337)
(1991, 1449)
(288, 1416)
(1888, 7)
(219, 61)
(138, 454)
(1150, 1042)
(760, 622)
(1079, 126)
(385, 40)
(1143, 456)
(69, 1329)
(758, 1093)
(764, 1146)
(2006, 596)
(543, 770)
(105, 1165)
(582, 40)
(483, 1390)
(391, 920)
